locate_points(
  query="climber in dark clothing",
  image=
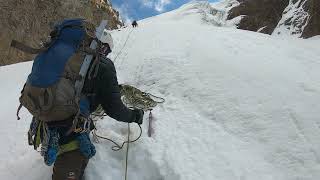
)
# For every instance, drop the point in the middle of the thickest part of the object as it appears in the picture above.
(134, 23)
(107, 91)
(71, 163)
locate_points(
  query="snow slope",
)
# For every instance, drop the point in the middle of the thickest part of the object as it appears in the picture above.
(239, 105)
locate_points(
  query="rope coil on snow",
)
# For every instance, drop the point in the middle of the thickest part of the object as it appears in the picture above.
(133, 98)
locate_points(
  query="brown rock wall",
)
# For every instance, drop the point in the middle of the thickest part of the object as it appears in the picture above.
(29, 21)
(268, 13)
(313, 26)
(258, 14)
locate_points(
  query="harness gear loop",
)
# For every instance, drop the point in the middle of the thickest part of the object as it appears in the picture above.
(86, 125)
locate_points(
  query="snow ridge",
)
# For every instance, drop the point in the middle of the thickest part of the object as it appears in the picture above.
(214, 13)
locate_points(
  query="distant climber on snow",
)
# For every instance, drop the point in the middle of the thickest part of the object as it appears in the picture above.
(70, 78)
(134, 23)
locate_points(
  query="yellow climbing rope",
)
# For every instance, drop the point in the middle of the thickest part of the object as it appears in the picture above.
(136, 98)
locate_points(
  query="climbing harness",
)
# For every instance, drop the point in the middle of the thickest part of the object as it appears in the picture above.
(133, 98)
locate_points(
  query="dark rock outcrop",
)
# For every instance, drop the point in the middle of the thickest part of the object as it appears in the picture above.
(261, 14)
(313, 26)
(29, 21)
(300, 17)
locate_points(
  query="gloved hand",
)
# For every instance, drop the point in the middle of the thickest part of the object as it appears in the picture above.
(138, 116)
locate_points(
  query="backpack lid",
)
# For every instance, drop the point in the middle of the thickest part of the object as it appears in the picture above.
(49, 65)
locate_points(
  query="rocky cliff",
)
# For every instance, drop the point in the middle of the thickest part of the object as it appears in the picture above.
(29, 21)
(293, 17)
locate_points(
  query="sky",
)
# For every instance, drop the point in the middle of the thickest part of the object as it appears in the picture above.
(139, 9)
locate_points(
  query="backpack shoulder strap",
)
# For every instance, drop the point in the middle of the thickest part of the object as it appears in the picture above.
(80, 82)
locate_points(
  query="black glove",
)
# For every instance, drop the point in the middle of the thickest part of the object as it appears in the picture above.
(138, 116)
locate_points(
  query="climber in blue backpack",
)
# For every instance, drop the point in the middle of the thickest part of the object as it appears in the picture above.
(71, 76)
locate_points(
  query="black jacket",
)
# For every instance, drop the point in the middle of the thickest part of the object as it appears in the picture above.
(104, 90)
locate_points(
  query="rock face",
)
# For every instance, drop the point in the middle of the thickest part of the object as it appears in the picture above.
(29, 21)
(313, 26)
(294, 17)
(262, 15)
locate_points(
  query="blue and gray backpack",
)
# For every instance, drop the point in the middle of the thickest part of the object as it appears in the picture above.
(53, 90)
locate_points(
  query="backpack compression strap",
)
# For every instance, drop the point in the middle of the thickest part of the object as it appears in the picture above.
(25, 48)
(55, 33)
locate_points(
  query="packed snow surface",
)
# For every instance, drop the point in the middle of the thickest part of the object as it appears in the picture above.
(239, 105)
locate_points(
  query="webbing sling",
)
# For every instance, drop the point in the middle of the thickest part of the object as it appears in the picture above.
(80, 82)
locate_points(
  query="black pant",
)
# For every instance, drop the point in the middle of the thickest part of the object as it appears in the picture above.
(70, 166)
